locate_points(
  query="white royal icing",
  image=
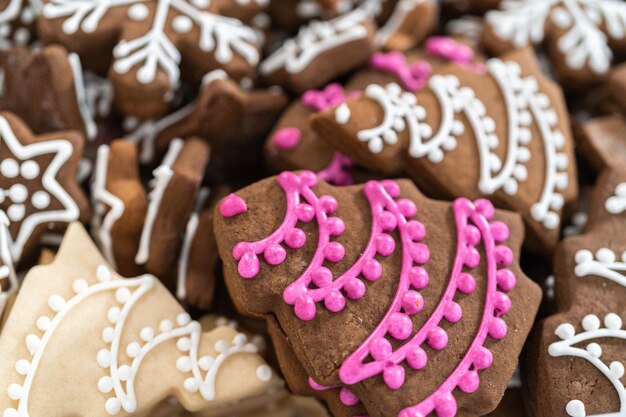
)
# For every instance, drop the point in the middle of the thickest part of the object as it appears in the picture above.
(21, 13)
(524, 105)
(28, 169)
(224, 36)
(89, 123)
(395, 21)
(296, 54)
(592, 352)
(582, 21)
(604, 264)
(7, 270)
(120, 380)
(190, 234)
(103, 220)
(162, 176)
(616, 204)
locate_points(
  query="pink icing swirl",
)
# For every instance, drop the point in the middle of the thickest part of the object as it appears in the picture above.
(232, 206)
(332, 95)
(414, 76)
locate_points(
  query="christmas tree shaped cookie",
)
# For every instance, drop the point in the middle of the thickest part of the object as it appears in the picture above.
(101, 345)
(405, 305)
(501, 133)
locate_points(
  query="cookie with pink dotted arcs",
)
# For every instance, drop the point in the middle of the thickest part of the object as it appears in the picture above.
(38, 188)
(399, 304)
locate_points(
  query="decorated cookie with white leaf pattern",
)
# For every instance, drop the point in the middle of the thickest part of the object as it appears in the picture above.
(578, 355)
(101, 345)
(152, 46)
(500, 130)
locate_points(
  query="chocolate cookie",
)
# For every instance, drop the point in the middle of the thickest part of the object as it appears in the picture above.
(383, 339)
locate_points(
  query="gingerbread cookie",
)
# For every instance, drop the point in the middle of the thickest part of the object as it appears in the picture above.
(616, 86)
(447, 137)
(38, 182)
(129, 341)
(602, 141)
(321, 52)
(8, 277)
(582, 38)
(575, 364)
(142, 44)
(384, 340)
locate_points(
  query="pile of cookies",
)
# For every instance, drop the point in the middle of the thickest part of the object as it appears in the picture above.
(312, 208)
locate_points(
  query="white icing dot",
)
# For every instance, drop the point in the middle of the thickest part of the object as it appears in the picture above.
(591, 322)
(183, 344)
(183, 364)
(15, 392)
(114, 314)
(133, 349)
(205, 363)
(605, 255)
(104, 358)
(342, 114)
(575, 408)
(138, 12)
(124, 372)
(105, 384)
(613, 321)
(617, 368)
(565, 331)
(80, 285)
(113, 406)
(103, 274)
(182, 24)
(182, 319)
(166, 326)
(40, 199)
(594, 350)
(9, 168)
(22, 367)
(122, 295)
(108, 334)
(18, 193)
(147, 334)
(582, 256)
(240, 339)
(10, 412)
(56, 302)
(32, 343)
(29, 170)
(200, 3)
(191, 385)
(43, 323)
(221, 346)
(16, 212)
(264, 373)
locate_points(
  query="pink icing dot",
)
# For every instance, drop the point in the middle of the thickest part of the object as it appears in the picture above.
(348, 398)
(502, 302)
(385, 245)
(472, 235)
(380, 349)
(453, 312)
(392, 188)
(419, 252)
(466, 283)
(274, 254)
(287, 137)
(445, 405)
(335, 301)
(292, 292)
(483, 358)
(506, 279)
(322, 277)
(504, 255)
(418, 277)
(249, 265)
(416, 230)
(497, 328)
(472, 257)
(499, 230)
(412, 302)
(417, 358)
(437, 338)
(328, 203)
(387, 221)
(400, 326)
(372, 269)
(355, 289)
(336, 226)
(232, 205)
(309, 178)
(448, 48)
(469, 382)
(485, 207)
(407, 207)
(305, 212)
(334, 252)
(394, 376)
(305, 307)
(410, 412)
(295, 238)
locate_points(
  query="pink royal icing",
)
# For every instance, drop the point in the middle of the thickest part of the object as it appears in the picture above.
(232, 206)
(451, 50)
(336, 172)
(332, 95)
(287, 137)
(414, 76)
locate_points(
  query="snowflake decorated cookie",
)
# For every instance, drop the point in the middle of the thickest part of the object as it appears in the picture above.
(127, 345)
(150, 47)
(402, 304)
(17, 22)
(578, 355)
(582, 37)
(502, 133)
(38, 188)
(48, 90)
